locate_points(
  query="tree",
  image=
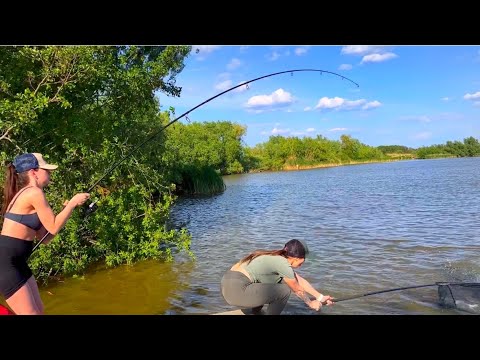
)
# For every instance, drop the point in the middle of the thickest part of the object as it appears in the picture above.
(85, 107)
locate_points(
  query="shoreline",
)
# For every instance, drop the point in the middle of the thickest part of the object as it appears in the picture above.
(329, 165)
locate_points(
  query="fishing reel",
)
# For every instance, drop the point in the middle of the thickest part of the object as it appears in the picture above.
(88, 209)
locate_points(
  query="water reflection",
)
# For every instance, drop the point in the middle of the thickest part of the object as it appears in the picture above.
(148, 287)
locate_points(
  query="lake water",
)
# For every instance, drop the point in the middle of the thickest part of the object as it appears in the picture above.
(369, 228)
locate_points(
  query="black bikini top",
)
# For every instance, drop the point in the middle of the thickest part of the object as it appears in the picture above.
(29, 220)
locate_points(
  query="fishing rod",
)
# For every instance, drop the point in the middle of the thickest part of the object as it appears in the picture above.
(91, 208)
(334, 300)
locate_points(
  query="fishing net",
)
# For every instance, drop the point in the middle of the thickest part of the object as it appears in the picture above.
(461, 296)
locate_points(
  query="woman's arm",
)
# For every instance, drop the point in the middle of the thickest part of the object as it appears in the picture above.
(53, 223)
(309, 289)
(41, 233)
(295, 286)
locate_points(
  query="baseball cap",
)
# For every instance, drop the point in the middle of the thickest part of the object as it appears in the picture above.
(30, 161)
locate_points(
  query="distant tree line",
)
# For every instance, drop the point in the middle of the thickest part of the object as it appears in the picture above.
(281, 152)
(219, 146)
(468, 148)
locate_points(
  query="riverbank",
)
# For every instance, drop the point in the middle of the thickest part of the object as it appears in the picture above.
(308, 167)
(317, 166)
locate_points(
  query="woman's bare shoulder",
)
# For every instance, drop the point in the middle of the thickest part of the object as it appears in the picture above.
(34, 191)
(34, 194)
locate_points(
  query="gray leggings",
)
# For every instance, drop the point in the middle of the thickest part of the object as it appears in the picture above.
(238, 290)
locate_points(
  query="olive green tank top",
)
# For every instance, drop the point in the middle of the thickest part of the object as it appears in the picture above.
(269, 269)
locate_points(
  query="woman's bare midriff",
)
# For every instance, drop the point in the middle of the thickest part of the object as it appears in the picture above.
(238, 267)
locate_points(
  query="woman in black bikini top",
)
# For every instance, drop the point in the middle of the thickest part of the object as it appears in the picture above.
(27, 216)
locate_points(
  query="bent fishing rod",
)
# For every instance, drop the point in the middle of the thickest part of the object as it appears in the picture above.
(155, 134)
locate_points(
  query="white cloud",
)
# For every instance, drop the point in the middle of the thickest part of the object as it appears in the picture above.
(329, 103)
(224, 82)
(241, 88)
(370, 54)
(299, 51)
(363, 49)
(378, 57)
(446, 98)
(273, 56)
(353, 104)
(345, 67)
(233, 64)
(310, 129)
(279, 97)
(224, 85)
(472, 96)
(277, 131)
(338, 103)
(244, 48)
(338, 129)
(308, 108)
(371, 105)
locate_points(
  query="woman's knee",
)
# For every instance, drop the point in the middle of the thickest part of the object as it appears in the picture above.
(22, 306)
(26, 300)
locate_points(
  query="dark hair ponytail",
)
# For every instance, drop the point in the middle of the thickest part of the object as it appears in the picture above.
(13, 182)
(258, 253)
(293, 248)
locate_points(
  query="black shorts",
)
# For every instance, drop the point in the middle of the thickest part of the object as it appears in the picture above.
(14, 270)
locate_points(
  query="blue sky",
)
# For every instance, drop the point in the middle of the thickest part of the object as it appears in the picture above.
(407, 95)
